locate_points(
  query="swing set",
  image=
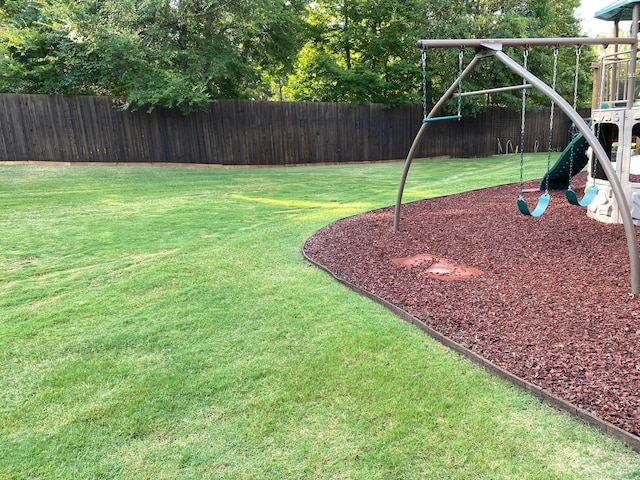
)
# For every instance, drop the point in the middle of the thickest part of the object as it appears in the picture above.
(493, 48)
(543, 202)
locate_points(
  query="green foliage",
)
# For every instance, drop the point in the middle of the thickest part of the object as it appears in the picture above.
(360, 51)
(364, 51)
(185, 53)
(39, 49)
(169, 53)
(534, 18)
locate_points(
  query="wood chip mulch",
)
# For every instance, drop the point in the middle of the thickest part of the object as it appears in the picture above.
(551, 306)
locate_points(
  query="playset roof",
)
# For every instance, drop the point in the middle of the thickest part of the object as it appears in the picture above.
(620, 10)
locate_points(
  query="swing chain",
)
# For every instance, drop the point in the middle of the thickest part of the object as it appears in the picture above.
(460, 56)
(594, 166)
(525, 56)
(576, 77)
(424, 84)
(550, 143)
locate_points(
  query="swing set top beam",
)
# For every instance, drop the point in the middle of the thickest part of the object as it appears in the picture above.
(521, 42)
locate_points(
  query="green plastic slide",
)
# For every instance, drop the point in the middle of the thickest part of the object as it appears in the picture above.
(559, 173)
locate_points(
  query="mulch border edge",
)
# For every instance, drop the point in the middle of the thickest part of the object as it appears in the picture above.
(605, 427)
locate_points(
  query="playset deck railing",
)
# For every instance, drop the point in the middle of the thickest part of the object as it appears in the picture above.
(618, 78)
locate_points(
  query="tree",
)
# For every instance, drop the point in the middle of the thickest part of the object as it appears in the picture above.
(364, 50)
(171, 53)
(186, 53)
(38, 50)
(535, 18)
(358, 51)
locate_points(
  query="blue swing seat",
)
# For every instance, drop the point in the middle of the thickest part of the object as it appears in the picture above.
(543, 203)
(589, 195)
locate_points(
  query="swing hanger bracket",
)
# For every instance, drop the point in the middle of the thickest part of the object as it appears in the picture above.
(488, 48)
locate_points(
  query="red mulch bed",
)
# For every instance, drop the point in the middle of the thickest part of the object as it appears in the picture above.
(552, 305)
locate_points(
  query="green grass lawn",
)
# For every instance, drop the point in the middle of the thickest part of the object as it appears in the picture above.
(162, 323)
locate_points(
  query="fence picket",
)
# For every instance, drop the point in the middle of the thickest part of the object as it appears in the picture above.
(239, 132)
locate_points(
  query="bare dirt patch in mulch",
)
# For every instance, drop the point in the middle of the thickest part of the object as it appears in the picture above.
(551, 303)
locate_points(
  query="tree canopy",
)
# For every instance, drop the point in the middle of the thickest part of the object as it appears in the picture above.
(364, 50)
(171, 53)
(186, 53)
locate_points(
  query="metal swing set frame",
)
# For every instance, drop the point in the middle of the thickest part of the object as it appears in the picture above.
(492, 48)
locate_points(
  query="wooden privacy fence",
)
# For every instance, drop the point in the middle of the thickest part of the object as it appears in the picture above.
(237, 132)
